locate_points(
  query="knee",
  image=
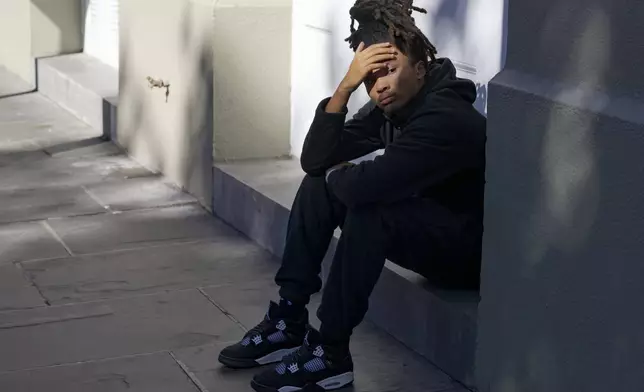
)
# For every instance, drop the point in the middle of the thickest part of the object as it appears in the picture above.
(364, 220)
(313, 184)
(312, 189)
(313, 194)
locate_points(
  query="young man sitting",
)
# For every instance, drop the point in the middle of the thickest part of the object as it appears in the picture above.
(419, 204)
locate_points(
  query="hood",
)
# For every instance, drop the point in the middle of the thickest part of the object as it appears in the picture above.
(441, 76)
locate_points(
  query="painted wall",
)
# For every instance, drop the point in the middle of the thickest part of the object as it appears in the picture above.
(36, 28)
(470, 32)
(101, 30)
(562, 291)
(15, 39)
(252, 78)
(169, 40)
(56, 27)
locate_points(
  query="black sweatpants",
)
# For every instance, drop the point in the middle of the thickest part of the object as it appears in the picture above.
(406, 233)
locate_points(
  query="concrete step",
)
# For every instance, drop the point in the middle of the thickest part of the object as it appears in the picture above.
(256, 197)
(84, 86)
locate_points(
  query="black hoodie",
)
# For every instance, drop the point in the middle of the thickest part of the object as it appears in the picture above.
(434, 149)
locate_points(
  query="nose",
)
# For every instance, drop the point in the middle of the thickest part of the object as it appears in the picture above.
(381, 86)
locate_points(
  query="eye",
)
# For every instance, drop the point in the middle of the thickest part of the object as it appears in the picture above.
(392, 70)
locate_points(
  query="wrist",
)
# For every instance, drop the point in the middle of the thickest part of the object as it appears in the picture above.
(338, 102)
(345, 89)
(336, 168)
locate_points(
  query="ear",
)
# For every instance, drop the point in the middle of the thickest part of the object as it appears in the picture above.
(421, 70)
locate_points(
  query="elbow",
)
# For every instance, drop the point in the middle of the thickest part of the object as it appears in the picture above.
(310, 166)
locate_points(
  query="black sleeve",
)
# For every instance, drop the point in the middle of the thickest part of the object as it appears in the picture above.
(426, 153)
(331, 141)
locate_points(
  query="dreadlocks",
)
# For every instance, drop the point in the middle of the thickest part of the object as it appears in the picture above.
(381, 19)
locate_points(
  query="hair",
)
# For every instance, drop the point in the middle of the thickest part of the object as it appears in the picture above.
(387, 20)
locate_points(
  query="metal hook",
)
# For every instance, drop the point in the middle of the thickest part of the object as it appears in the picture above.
(159, 83)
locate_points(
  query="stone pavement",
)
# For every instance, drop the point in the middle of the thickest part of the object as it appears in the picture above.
(112, 280)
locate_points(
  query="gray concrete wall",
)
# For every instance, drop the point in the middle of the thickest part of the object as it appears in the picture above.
(169, 40)
(15, 39)
(56, 27)
(562, 288)
(252, 63)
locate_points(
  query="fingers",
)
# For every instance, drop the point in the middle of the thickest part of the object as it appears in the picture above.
(378, 47)
(382, 58)
(360, 47)
(379, 55)
(375, 67)
(389, 53)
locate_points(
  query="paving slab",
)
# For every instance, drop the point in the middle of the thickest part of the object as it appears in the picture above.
(40, 131)
(139, 229)
(382, 363)
(60, 172)
(123, 273)
(35, 109)
(31, 118)
(90, 331)
(140, 193)
(202, 363)
(89, 147)
(20, 157)
(28, 241)
(248, 301)
(14, 147)
(51, 202)
(144, 373)
(16, 292)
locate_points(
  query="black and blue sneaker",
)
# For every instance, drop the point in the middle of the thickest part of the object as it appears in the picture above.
(314, 367)
(268, 342)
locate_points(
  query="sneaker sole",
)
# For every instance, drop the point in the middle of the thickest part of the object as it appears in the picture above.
(247, 363)
(329, 384)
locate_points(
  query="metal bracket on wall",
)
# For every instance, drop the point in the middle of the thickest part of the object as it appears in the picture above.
(159, 83)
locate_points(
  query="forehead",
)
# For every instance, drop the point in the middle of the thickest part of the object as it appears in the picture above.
(401, 53)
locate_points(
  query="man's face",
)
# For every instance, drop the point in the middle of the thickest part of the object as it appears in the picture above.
(392, 87)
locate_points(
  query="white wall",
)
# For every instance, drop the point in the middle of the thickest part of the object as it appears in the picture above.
(170, 40)
(252, 61)
(101, 29)
(470, 32)
(15, 39)
(55, 27)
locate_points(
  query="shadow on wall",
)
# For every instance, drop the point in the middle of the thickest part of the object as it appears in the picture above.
(12, 85)
(184, 152)
(566, 280)
(481, 98)
(137, 112)
(450, 26)
(65, 16)
(451, 19)
(198, 115)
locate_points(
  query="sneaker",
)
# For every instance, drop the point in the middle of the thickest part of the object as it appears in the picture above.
(313, 367)
(268, 342)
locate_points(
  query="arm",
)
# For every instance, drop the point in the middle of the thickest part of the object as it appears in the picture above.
(425, 154)
(331, 140)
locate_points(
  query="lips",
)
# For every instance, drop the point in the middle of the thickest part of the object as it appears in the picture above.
(386, 100)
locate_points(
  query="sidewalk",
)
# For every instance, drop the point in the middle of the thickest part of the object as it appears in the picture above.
(112, 280)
